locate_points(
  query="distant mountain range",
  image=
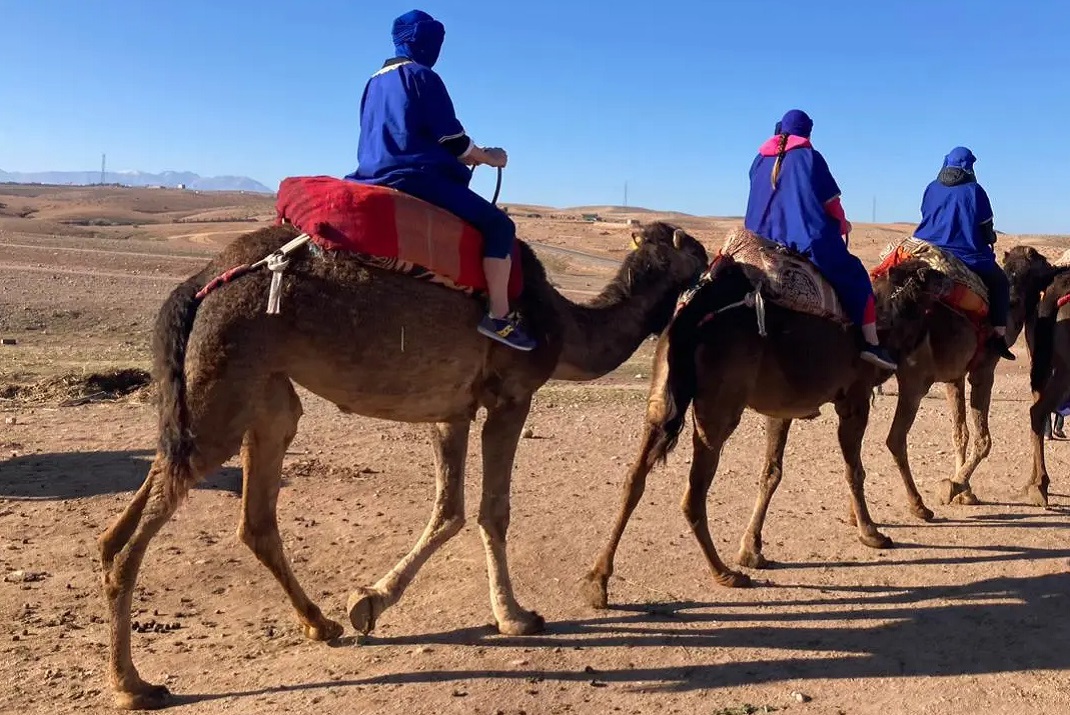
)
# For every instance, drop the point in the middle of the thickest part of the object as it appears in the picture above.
(171, 179)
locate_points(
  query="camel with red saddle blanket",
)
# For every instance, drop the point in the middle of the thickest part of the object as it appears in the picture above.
(953, 353)
(762, 330)
(375, 342)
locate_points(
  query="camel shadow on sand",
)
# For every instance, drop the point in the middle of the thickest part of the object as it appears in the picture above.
(74, 475)
(993, 626)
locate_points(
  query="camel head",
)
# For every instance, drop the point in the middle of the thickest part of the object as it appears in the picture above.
(904, 297)
(1029, 273)
(665, 260)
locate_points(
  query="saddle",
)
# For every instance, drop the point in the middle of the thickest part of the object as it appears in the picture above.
(783, 276)
(968, 295)
(385, 228)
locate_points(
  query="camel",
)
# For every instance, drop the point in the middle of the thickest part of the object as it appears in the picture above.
(1036, 287)
(379, 344)
(949, 354)
(714, 356)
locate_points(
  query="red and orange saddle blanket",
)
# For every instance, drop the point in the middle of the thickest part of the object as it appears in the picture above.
(968, 296)
(387, 229)
(780, 275)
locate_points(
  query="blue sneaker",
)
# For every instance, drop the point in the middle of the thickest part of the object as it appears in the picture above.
(506, 330)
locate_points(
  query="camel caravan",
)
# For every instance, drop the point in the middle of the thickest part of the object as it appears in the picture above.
(399, 294)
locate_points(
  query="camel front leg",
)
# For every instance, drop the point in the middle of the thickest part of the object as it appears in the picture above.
(981, 379)
(596, 582)
(450, 441)
(501, 433)
(912, 389)
(853, 412)
(776, 439)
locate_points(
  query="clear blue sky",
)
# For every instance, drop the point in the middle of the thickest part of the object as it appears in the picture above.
(673, 97)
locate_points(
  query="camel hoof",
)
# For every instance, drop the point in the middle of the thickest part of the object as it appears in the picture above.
(947, 490)
(966, 497)
(530, 624)
(151, 697)
(1035, 495)
(364, 609)
(752, 559)
(734, 579)
(594, 590)
(328, 630)
(876, 540)
(922, 512)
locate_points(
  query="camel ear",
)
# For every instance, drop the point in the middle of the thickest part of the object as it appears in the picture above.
(677, 238)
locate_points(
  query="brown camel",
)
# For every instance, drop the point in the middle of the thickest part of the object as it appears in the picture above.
(379, 344)
(1036, 287)
(948, 354)
(723, 365)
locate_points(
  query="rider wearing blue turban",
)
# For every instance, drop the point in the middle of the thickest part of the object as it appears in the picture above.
(411, 140)
(957, 217)
(794, 201)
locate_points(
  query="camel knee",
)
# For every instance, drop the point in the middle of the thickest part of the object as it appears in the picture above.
(257, 534)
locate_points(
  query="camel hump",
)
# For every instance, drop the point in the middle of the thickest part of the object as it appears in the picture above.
(968, 294)
(785, 277)
(389, 229)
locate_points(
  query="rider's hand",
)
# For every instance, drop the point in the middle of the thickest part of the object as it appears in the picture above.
(495, 157)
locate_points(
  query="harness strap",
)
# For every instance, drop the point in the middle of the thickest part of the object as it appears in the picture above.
(276, 262)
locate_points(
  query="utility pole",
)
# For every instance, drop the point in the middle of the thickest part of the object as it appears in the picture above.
(625, 194)
(103, 164)
(874, 209)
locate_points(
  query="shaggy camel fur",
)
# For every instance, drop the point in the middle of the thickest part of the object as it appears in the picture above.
(948, 355)
(379, 344)
(723, 365)
(1036, 287)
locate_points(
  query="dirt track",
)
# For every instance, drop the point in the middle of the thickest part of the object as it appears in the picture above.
(965, 615)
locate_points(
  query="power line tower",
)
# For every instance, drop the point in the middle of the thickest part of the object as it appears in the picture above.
(625, 194)
(103, 164)
(874, 209)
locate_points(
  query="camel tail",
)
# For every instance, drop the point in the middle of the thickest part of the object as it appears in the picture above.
(728, 284)
(171, 335)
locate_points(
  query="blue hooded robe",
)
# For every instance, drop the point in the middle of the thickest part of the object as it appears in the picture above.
(956, 216)
(793, 214)
(411, 139)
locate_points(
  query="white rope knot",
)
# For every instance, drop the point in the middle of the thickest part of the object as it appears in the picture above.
(276, 263)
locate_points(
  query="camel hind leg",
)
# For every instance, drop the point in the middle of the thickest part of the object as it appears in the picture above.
(1050, 399)
(263, 449)
(122, 549)
(912, 389)
(595, 585)
(776, 438)
(853, 412)
(450, 440)
(715, 420)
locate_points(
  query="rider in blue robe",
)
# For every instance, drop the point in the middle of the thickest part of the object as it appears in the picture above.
(957, 217)
(794, 201)
(412, 141)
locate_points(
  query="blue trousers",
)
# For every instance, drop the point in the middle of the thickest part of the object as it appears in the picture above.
(499, 231)
(841, 268)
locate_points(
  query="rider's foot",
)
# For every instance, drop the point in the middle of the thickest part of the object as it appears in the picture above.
(998, 345)
(506, 330)
(876, 355)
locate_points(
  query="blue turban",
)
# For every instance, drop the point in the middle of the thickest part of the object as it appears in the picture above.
(960, 158)
(798, 123)
(418, 36)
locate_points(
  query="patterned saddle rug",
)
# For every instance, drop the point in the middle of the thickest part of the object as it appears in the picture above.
(968, 296)
(783, 276)
(385, 228)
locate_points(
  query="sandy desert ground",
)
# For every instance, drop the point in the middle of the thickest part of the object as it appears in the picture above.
(967, 614)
